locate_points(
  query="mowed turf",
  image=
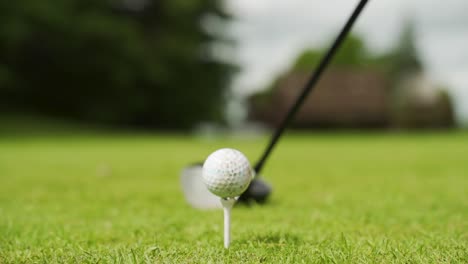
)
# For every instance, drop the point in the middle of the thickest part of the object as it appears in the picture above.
(338, 198)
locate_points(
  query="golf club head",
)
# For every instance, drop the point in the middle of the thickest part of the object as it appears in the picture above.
(257, 192)
(198, 196)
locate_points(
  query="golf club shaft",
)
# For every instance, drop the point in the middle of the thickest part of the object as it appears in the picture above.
(311, 83)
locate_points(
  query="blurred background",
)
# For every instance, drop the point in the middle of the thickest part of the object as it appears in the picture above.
(239, 64)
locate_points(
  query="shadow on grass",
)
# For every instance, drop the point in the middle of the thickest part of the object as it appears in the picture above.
(274, 239)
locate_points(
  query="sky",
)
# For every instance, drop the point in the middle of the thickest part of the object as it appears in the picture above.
(271, 33)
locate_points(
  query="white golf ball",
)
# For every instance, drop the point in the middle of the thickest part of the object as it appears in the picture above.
(227, 173)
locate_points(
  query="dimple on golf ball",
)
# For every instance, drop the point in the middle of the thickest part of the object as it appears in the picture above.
(227, 173)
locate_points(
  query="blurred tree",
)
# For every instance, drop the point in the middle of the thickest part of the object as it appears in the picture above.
(127, 62)
(353, 53)
(404, 60)
(307, 60)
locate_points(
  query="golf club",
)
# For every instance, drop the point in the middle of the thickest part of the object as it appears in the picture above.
(258, 191)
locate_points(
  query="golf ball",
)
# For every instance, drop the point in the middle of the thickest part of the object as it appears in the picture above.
(227, 173)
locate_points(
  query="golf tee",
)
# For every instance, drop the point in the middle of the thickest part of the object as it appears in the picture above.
(227, 206)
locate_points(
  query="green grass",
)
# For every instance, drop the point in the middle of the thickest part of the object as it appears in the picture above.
(339, 198)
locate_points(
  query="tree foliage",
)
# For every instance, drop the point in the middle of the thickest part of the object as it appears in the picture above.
(353, 53)
(404, 59)
(130, 62)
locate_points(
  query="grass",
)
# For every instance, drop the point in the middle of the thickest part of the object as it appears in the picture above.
(338, 198)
